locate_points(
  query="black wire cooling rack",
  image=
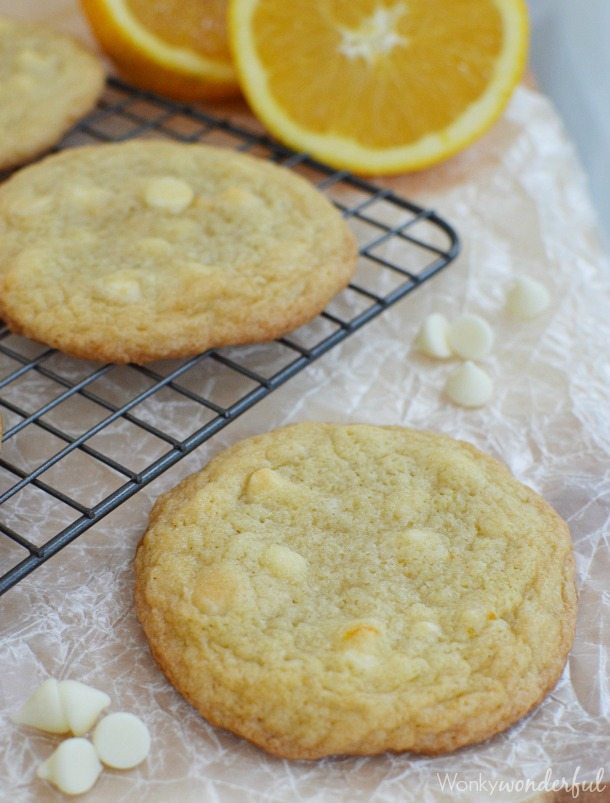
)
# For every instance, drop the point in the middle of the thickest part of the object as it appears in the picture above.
(62, 416)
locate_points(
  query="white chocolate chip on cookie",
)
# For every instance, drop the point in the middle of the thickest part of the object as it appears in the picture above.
(216, 589)
(118, 288)
(37, 63)
(421, 544)
(284, 562)
(168, 193)
(29, 206)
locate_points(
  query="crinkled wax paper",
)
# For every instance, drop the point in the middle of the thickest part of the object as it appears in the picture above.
(519, 202)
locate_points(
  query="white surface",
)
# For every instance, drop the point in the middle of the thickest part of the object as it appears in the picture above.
(570, 57)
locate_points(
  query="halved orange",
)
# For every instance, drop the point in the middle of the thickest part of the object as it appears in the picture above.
(378, 86)
(177, 48)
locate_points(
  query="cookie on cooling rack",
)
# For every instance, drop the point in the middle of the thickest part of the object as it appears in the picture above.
(47, 82)
(146, 250)
(327, 589)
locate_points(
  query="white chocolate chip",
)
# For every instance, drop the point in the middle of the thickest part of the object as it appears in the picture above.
(218, 588)
(284, 562)
(469, 386)
(40, 64)
(431, 339)
(89, 199)
(417, 543)
(238, 196)
(527, 298)
(119, 287)
(73, 768)
(23, 82)
(425, 630)
(122, 740)
(29, 206)
(153, 247)
(474, 620)
(360, 662)
(168, 193)
(43, 710)
(470, 337)
(82, 705)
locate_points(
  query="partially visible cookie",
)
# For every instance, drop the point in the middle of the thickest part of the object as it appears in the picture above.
(47, 82)
(326, 589)
(152, 249)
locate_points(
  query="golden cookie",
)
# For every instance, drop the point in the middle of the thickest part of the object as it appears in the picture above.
(150, 249)
(47, 82)
(327, 589)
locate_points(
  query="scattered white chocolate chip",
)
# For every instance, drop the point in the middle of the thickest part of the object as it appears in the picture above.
(44, 710)
(89, 199)
(62, 706)
(37, 63)
(470, 337)
(31, 206)
(527, 298)
(431, 339)
(216, 588)
(427, 631)
(469, 386)
(168, 193)
(82, 705)
(118, 288)
(122, 740)
(360, 662)
(284, 562)
(426, 544)
(73, 768)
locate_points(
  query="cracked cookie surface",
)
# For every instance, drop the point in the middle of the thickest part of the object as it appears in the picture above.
(47, 82)
(350, 589)
(148, 250)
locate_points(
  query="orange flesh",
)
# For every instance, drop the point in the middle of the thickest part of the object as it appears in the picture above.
(199, 25)
(443, 62)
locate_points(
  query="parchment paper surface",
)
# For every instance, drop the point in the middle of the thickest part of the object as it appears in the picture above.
(519, 202)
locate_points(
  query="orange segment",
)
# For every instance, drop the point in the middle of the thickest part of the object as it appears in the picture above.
(378, 85)
(175, 47)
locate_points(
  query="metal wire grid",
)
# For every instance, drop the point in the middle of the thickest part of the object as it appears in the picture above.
(58, 411)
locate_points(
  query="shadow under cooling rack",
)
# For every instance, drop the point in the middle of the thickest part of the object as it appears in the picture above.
(80, 438)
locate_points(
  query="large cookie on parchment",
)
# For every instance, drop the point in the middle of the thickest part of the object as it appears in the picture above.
(327, 589)
(47, 82)
(150, 249)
